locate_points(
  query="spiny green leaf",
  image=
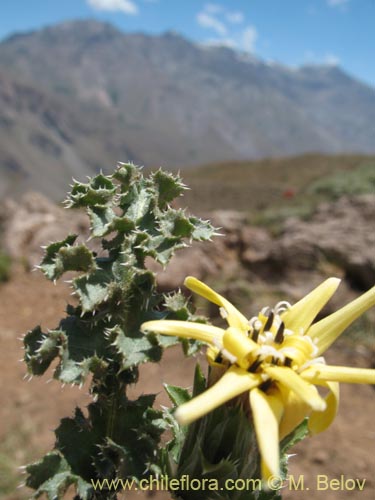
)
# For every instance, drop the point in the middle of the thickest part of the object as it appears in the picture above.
(101, 218)
(83, 346)
(174, 223)
(140, 206)
(50, 268)
(297, 435)
(97, 192)
(77, 440)
(62, 258)
(177, 395)
(134, 348)
(94, 289)
(40, 349)
(169, 187)
(127, 174)
(177, 304)
(166, 248)
(52, 476)
(53, 463)
(200, 382)
(203, 230)
(76, 258)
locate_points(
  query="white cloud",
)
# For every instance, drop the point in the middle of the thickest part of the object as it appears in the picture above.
(337, 3)
(235, 17)
(331, 60)
(249, 37)
(211, 22)
(126, 6)
(222, 21)
(212, 8)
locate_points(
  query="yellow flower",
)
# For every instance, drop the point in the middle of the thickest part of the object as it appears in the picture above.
(277, 357)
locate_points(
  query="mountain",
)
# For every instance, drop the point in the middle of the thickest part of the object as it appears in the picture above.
(45, 140)
(83, 95)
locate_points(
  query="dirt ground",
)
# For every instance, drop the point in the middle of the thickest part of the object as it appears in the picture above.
(29, 411)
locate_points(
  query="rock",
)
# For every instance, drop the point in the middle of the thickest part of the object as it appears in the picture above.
(256, 245)
(36, 221)
(192, 261)
(342, 232)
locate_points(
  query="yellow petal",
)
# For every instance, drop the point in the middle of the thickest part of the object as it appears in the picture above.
(322, 373)
(267, 411)
(239, 346)
(184, 329)
(295, 411)
(320, 421)
(235, 318)
(326, 331)
(307, 392)
(234, 382)
(300, 316)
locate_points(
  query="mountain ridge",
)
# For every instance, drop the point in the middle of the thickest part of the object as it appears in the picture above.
(163, 100)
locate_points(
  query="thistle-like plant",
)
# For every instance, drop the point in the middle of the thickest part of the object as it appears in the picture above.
(228, 438)
(131, 219)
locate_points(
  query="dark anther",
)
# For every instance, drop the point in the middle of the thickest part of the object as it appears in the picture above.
(266, 385)
(269, 321)
(288, 362)
(255, 335)
(279, 337)
(255, 365)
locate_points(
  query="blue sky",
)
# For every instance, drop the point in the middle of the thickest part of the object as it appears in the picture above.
(292, 32)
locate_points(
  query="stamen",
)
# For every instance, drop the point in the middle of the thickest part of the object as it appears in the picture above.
(265, 311)
(230, 357)
(255, 335)
(255, 365)
(255, 325)
(268, 350)
(217, 343)
(316, 361)
(282, 306)
(252, 321)
(288, 362)
(279, 337)
(291, 351)
(288, 332)
(268, 338)
(224, 352)
(269, 321)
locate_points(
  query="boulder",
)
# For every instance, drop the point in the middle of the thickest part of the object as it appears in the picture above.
(35, 221)
(342, 232)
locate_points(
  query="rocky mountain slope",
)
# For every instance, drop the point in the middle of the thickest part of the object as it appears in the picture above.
(90, 95)
(45, 140)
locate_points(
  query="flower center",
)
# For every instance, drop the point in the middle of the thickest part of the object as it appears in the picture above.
(267, 341)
